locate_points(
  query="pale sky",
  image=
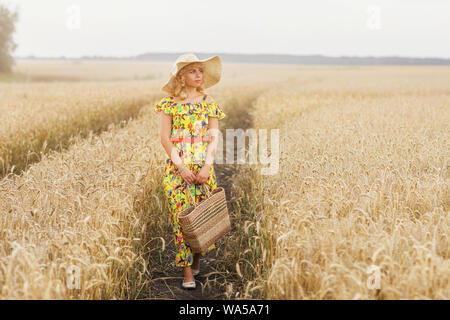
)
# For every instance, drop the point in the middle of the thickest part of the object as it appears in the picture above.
(415, 28)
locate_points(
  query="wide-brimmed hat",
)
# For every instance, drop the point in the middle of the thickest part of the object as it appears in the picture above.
(212, 70)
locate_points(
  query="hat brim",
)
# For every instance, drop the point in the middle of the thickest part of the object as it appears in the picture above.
(212, 72)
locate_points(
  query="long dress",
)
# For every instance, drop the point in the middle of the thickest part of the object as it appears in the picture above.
(188, 120)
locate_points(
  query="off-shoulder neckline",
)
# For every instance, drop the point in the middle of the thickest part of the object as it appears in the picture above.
(187, 103)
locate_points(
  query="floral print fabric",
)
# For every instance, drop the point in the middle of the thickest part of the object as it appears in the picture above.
(188, 120)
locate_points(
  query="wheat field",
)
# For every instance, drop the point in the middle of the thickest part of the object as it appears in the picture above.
(362, 184)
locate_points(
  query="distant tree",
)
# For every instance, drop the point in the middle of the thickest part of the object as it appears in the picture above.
(7, 45)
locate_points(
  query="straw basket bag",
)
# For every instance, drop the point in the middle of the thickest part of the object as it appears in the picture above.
(204, 223)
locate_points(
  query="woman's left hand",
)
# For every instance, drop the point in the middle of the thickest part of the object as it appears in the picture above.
(203, 174)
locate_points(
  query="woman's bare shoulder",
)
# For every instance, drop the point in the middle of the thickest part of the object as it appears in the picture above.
(209, 98)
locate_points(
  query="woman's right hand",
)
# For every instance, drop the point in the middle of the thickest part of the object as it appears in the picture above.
(188, 176)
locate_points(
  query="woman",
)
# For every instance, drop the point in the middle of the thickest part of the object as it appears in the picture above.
(185, 114)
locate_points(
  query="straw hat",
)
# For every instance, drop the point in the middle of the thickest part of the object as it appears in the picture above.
(212, 70)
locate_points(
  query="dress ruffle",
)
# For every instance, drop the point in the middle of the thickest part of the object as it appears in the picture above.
(164, 105)
(168, 106)
(215, 111)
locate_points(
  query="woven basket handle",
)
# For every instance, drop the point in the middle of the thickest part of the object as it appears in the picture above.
(205, 189)
(190, 199)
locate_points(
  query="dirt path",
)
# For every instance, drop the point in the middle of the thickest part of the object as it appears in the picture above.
(166, 282)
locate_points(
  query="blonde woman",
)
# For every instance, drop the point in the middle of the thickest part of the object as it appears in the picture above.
(188, 112)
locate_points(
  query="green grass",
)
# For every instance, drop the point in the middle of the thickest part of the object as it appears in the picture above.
(12, 77)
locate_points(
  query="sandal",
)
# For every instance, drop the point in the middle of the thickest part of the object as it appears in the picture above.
(188, 285)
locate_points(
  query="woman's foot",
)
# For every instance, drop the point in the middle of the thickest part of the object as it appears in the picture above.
(188, 281)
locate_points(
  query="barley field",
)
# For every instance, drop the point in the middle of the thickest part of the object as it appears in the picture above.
(358, 208)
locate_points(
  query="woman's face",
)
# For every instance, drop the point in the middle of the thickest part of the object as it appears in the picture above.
(193, 76)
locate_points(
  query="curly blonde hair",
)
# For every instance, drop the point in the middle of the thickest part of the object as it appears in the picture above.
(179, 86)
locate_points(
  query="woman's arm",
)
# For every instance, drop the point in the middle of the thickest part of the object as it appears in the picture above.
(165, 131)
(165, 126)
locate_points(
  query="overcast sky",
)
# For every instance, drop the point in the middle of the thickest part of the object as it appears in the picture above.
(416, 28)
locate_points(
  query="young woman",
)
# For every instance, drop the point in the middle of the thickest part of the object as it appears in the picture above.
(188, 131)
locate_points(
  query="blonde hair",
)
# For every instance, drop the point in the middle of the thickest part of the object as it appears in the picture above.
(179, 86)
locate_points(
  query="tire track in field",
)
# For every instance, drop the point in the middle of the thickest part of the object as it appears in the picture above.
(166, 277)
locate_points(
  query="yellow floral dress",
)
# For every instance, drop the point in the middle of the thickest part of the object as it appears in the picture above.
(189, 120)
